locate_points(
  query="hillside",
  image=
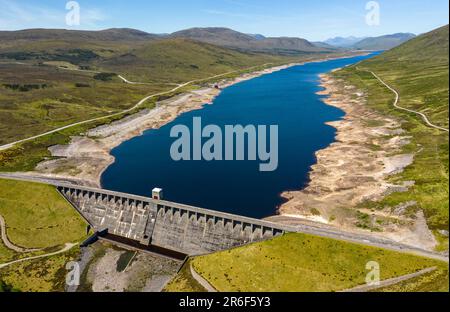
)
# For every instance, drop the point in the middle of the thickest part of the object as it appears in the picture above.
(179, 60)
(382, 43)
(420, 67)
(232, 39)
(113, 34)
(324, 45)
(49, 79)
(419, 71)
(301, 263)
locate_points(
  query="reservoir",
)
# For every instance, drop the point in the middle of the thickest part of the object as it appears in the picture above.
(286, 98)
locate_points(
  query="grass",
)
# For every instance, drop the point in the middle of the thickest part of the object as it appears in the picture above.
(303, 263)
(24, 114)
(6, 288)
(37, 216)
(184, 282)
(418, 70)
(436, 281)
(41, 275)
(180, 60)
(6, 254)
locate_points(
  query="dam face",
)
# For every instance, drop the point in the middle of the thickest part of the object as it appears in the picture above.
(172, 226)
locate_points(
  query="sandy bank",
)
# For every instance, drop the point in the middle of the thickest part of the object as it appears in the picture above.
(355, 170)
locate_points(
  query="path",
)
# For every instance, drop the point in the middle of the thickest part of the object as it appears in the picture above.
(10, 145)
(133, 82)
(205, 284)
(65, 249)
(397, 99)
(390, 282)
(8, 243)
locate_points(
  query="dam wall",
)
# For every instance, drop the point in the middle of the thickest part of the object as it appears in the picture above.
(186, 229)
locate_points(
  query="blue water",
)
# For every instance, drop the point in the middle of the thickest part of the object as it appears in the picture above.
(286, 98)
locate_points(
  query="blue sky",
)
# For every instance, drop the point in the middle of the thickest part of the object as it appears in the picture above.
(310, 19)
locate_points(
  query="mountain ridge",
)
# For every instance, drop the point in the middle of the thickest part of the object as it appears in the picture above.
(229, 38)
(343, 42)
(385, 42)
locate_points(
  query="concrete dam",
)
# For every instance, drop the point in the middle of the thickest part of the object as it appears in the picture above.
(155, 222)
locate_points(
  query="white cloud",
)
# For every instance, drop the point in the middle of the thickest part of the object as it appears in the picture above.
(15, 16)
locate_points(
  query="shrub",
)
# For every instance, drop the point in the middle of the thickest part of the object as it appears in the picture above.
(315, 212)
(82, 85)
(104, 76)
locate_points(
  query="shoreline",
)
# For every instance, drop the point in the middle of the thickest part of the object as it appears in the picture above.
(87, 157)
(346, 174)
(355, 170)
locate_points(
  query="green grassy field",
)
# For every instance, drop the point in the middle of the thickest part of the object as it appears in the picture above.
(37, 216)
(23, 114)
(418, 70)
(304, 263)
(41, 275)
(180, 60)
(436, 281)
(184, 282)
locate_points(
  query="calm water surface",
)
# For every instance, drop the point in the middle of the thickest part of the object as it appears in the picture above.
(287, 98)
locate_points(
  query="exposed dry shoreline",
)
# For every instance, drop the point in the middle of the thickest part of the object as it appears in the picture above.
(355, 170)
(350, 172)
(86, 157)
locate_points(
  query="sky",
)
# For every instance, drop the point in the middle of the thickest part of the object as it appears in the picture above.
(314, 20)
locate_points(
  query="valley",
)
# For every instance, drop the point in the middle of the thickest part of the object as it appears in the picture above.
(70, 100)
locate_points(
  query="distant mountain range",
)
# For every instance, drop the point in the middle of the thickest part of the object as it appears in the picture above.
(229, 38)
(343, 42)
(113, 34)
(384, 42)
(221, 37)
(431, 48)
(371, 43)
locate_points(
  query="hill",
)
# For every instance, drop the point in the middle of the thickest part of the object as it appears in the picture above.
(419, 71)
(49, 80)
(228, 38)
(113, 34)
(179, 60)
(383, 42)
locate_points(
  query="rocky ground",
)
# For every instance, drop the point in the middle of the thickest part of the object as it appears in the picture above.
(143, 273)
(355, 170)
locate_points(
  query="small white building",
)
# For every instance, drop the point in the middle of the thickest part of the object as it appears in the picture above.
(157, 194)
